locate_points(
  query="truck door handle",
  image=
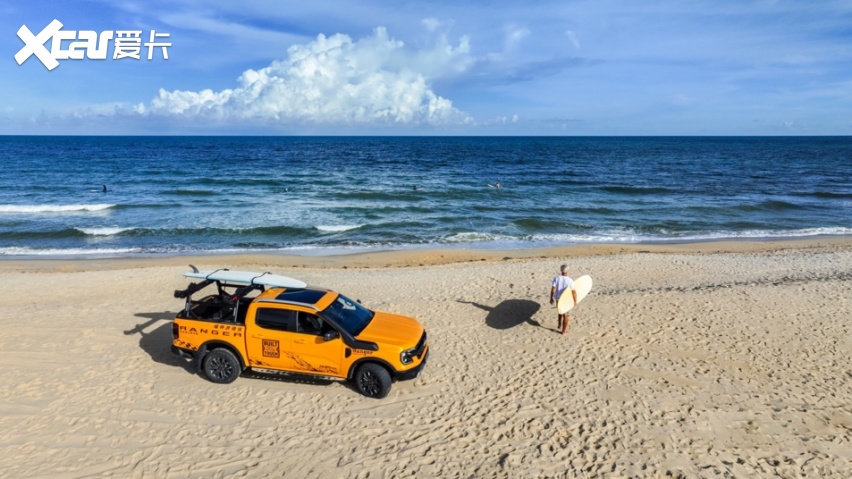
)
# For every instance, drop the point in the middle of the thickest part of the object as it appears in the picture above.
(299, 341)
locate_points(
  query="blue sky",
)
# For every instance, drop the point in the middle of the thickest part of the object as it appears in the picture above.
(597, 67)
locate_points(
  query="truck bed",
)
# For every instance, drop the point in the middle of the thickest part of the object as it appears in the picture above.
(216, 309)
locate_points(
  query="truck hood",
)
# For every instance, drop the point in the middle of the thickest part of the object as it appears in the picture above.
(392, 329)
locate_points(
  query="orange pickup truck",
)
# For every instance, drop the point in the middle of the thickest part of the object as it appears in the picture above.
(275, 324)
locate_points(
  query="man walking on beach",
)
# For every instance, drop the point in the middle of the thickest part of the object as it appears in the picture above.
(557, 287)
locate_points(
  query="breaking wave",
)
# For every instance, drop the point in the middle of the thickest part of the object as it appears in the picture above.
(53, 208)
(336, 228)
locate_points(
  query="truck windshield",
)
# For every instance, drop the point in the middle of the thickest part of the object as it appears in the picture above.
(350, 315)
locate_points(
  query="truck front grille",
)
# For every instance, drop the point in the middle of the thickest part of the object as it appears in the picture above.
(421, 346)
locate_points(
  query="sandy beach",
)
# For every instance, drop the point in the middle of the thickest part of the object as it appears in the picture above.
(697, 360)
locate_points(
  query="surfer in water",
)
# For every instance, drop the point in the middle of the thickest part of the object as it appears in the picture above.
(495, 185)
(105, 189)
(557, 287)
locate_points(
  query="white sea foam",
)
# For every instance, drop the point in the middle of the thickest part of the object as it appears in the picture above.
(827, 231)
(475, 237)
(103, 231)
(336, 228)
(53, 208)
(24, 251)
(626, 236)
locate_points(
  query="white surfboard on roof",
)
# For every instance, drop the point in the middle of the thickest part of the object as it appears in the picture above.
(247, 277)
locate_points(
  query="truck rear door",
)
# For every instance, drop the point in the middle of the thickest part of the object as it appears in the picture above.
(270, 339)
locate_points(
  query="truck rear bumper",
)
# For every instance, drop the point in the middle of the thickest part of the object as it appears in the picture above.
(182, 353)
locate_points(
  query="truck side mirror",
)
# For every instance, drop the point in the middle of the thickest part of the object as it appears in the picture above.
(331, 335)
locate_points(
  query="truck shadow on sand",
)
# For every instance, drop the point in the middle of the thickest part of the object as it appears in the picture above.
(158, 344)
(509, 313)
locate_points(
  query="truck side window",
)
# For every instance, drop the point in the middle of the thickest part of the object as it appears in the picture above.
(277, 319)
(310, 323)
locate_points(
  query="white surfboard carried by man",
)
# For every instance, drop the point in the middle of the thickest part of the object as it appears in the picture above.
(582, 285)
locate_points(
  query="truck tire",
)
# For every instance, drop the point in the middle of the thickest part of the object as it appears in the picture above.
(221, 366)
(373, 381)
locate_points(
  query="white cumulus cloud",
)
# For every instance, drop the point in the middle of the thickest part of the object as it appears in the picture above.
(503, 120)
(333, 80)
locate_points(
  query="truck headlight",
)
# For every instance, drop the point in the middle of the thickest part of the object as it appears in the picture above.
(405, 357)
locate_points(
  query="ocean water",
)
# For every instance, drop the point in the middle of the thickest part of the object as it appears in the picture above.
(320, 195)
